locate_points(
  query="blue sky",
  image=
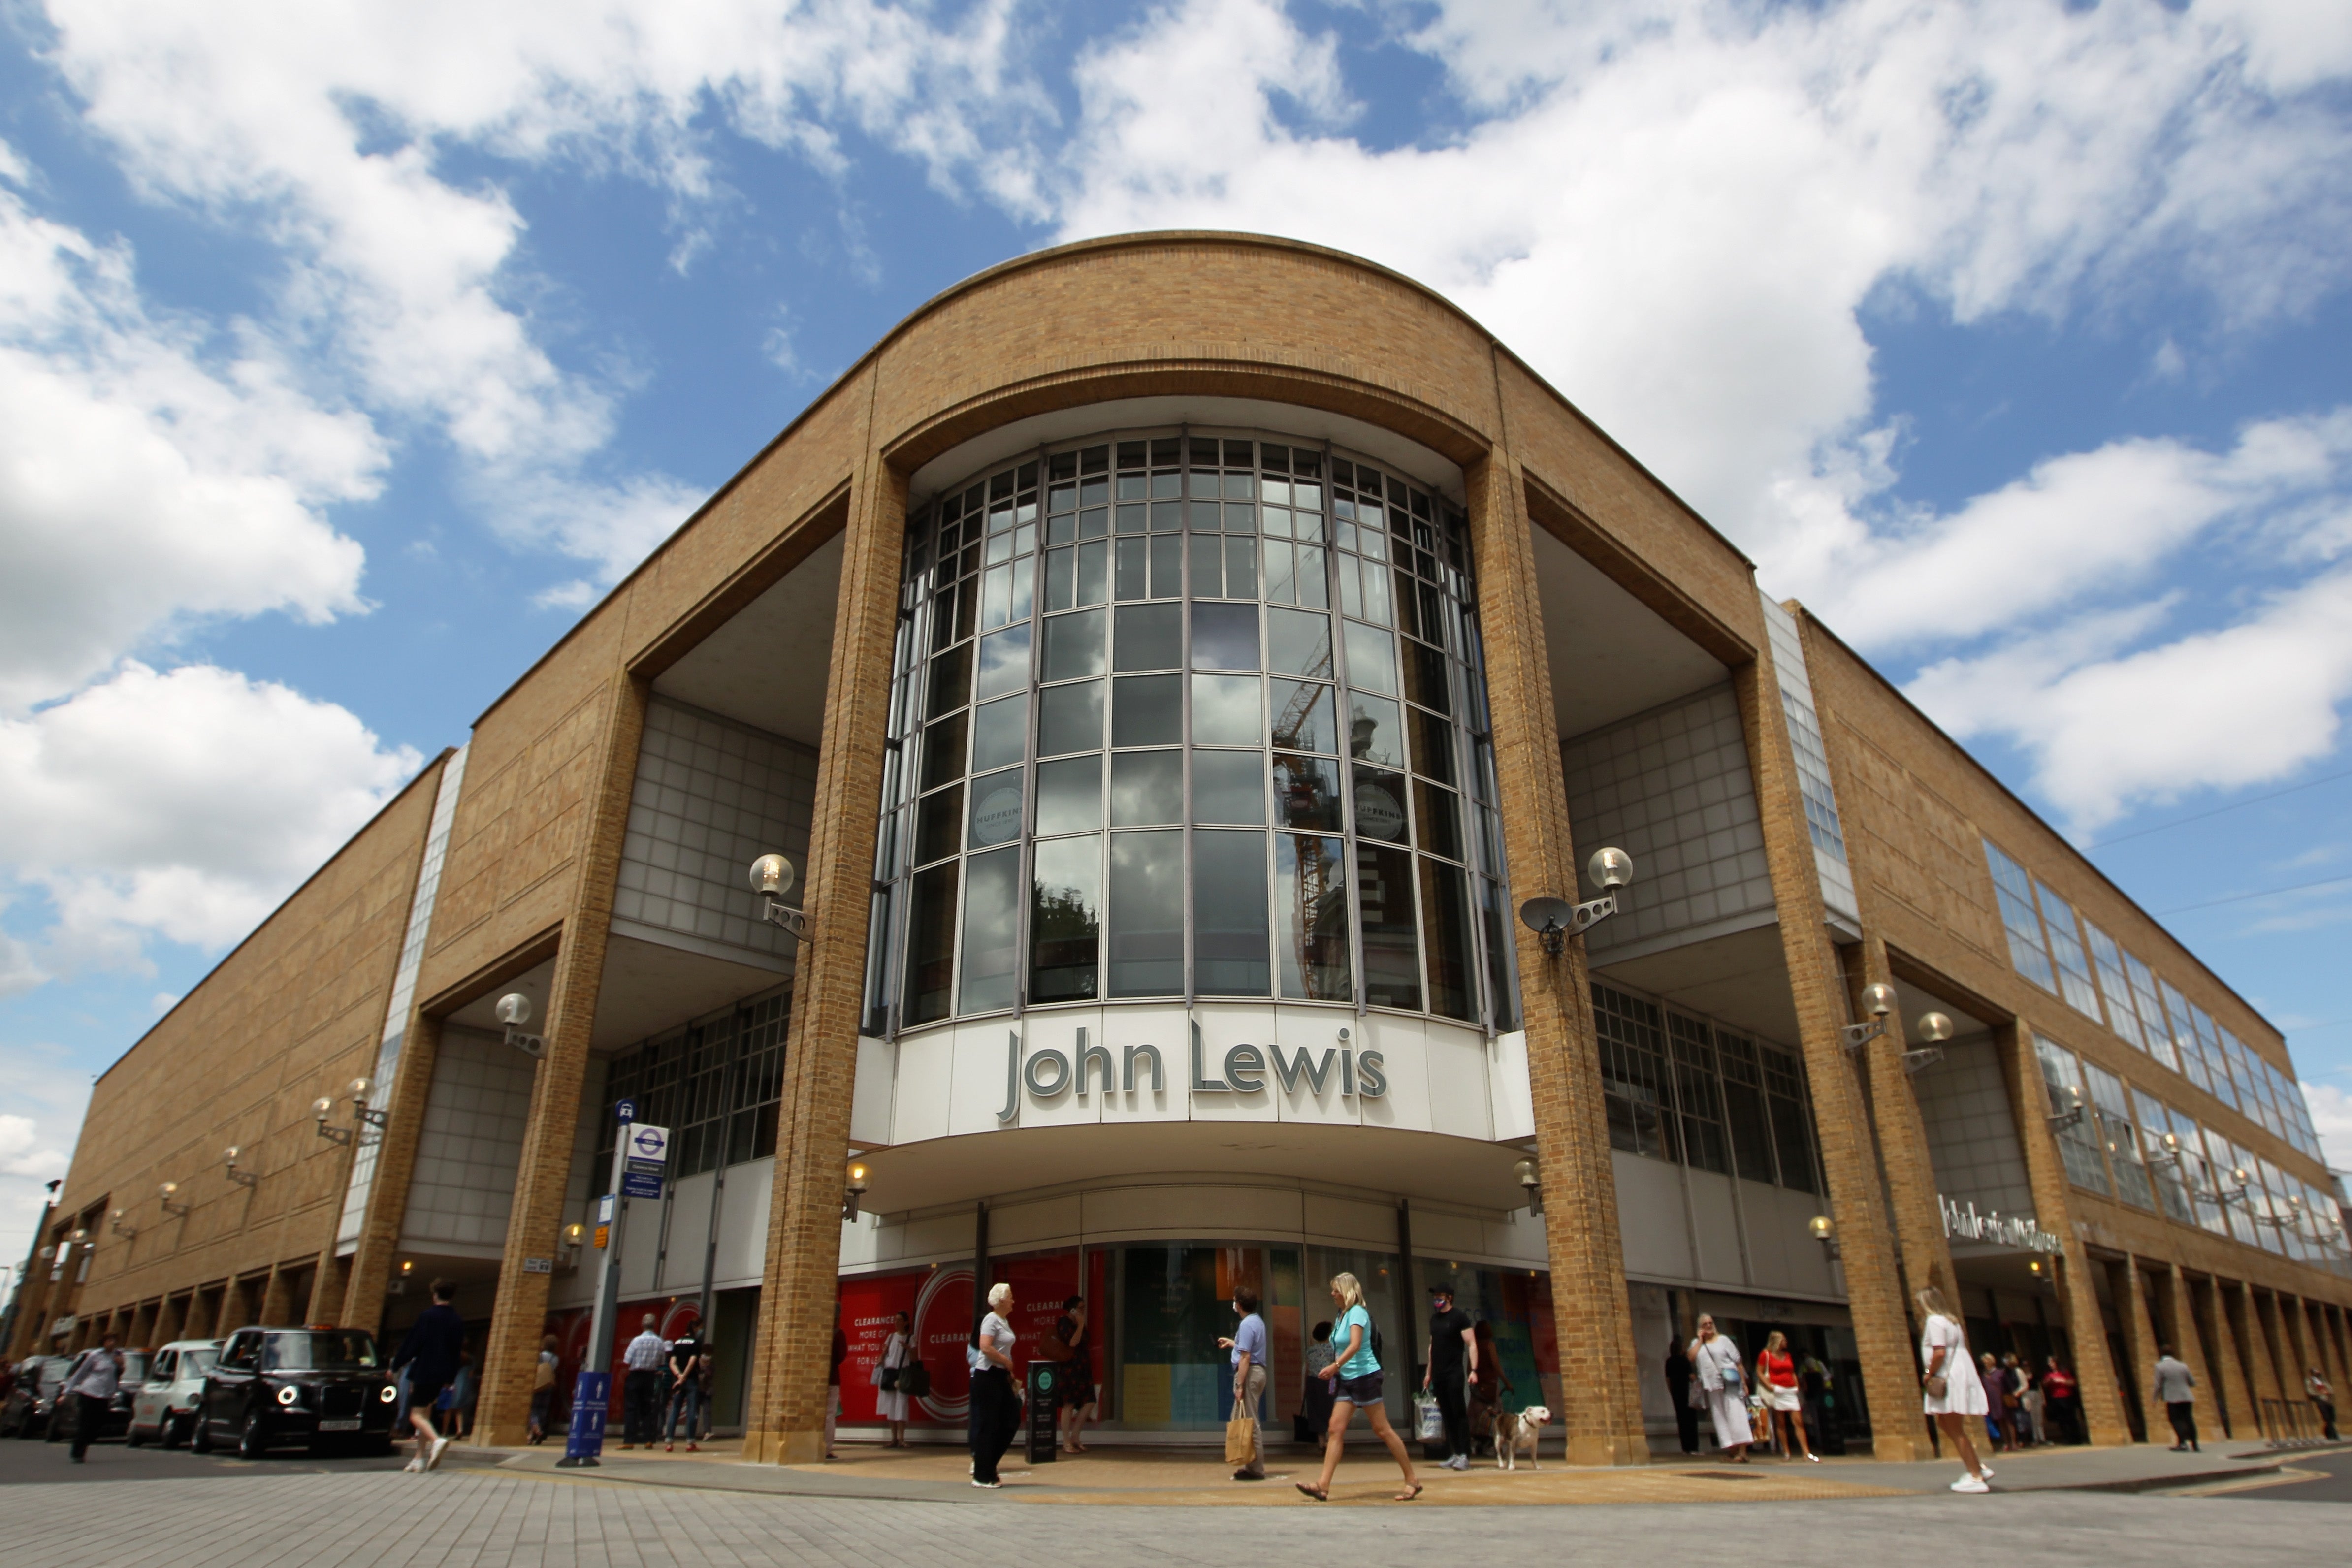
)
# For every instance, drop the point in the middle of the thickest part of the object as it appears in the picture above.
(2011, 337)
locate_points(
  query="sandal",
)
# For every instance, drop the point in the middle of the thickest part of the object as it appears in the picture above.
(1408, 1496)
(1306, 1490)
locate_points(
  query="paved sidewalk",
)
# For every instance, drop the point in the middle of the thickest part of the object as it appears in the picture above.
(1195, 1476)
(488, 1518)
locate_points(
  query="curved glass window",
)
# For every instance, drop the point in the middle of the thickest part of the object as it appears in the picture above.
(1182, 715)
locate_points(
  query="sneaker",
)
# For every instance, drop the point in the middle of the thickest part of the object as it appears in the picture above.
(433, 1457)
(1458, 1462)
(991, 1486)
(415, 1466)
(1985, 1470)
(1970, 1484)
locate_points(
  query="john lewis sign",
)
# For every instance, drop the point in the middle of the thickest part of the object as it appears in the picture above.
(1962, 1222)
(1049, 1072)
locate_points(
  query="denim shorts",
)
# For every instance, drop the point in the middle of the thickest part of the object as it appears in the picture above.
(1364, 1390)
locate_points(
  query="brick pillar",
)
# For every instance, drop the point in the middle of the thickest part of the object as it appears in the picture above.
(2106, 1416)
(2246, 1327)
(534, 1226)
(785, 1417)
(2281, 1348)
(2221, 1355)
(330, 1282)
(142, 1325)
(277, 1297)
(2179, 1326)
(2323, 1327)
(1592, 1316)
(1903, 1153)
(1866, 1245)
(169, 1318)
(2295, 1340)
(2339, 1355)
(368, 1273)
(2139, 1334)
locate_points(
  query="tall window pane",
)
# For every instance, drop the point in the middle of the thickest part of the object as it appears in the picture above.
(1310, 900)
(1147, 913)
(991, 906)
(930, 943)
(1230, 953)
(1391, 947)
(1446, 929)
(1066, 920)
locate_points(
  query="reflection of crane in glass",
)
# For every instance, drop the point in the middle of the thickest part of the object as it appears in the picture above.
(1307, 796)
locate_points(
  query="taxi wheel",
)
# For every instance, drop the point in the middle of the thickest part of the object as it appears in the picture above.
(252, 1439)
(201, 1439)
(131, 1437)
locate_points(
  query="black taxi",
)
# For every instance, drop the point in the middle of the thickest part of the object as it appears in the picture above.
(320, 1386)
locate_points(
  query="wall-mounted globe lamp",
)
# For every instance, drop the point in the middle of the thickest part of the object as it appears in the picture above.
(1555, 920)
(772, 879)
(514, 1012)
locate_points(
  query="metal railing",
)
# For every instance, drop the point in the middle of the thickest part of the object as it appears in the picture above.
(2290, 1424)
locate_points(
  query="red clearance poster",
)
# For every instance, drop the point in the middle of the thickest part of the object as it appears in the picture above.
(939, 1301)
(674, 1318)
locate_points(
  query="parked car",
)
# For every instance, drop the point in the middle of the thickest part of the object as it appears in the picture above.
(318, 1387)
(116, 1421)
(38, 1380)
(164, 1407)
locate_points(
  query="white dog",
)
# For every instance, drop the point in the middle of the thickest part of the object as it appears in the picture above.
(1512, 1432)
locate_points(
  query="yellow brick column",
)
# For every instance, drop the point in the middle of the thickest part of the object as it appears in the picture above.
(2271, 1335)
(2296, 1342)
(169, 1316)
(369, 1273)
(2139, 1334)
(1592, 1315)
(276, 1298)
(2221, 1357)
(2247, 1320)
(518, 1318)
(2331, 1350)
(2180, 1327)
(785, 1419)
(1903, 1153)
(29, 1335)
(1866, 1244)
(2106, 1416)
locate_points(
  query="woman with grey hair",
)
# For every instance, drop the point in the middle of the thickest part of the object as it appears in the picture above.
(994, 1412)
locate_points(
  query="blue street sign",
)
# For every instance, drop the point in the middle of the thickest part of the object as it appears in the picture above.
(636, 1184)
(626, 1110)
(592, 1401)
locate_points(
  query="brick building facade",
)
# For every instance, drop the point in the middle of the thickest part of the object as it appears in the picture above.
(1170, 661)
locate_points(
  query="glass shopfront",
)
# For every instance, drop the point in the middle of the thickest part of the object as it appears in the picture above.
(1158, 1309)
(1178, 716)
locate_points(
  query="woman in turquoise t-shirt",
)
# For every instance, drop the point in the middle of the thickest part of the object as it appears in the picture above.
(1355, 1374)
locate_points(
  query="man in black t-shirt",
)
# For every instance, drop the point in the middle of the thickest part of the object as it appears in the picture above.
(1452, 1360)
(684, 1390)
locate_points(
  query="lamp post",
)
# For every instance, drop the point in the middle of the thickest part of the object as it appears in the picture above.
(1933, 1028)
(514, 1012)
(854, 1189)
(771, 878)
(167, 1198)
(230, 1157)
(1555, 920)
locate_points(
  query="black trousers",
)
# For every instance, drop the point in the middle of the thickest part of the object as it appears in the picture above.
(2327, 1408)
(2184, 1420)
(995, 1417)
(641, 1406)
(89, 1420)
(1454, 1405)
(1686, 1419)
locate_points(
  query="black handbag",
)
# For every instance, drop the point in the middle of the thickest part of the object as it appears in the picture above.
(889, 1384)
(914, 1380)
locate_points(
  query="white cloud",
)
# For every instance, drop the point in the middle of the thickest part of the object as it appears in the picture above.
(185, 804)
(328, 125)
(2076, 527)
(149, 476)
(2108, 728)
(43, 1097)
(22, 1152)
(2331, 1115)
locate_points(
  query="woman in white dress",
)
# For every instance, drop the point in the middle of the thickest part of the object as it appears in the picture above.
(1955, 1396)
(890, 1403)
(1722, 1382)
